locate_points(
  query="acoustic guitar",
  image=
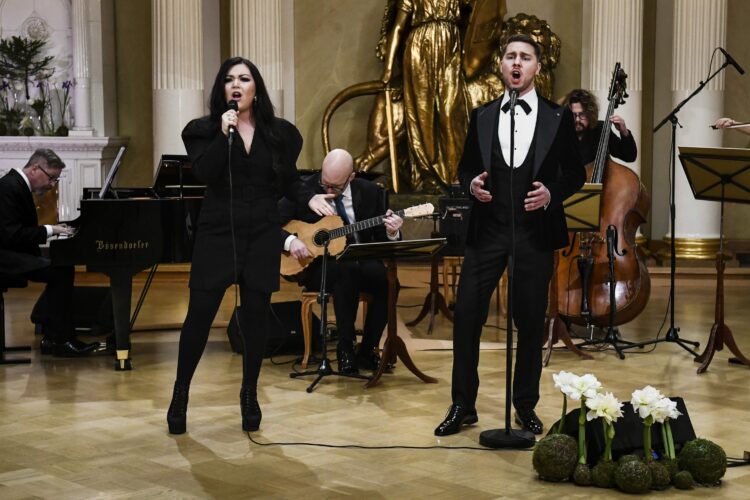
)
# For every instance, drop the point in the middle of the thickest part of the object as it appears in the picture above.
(332, 229)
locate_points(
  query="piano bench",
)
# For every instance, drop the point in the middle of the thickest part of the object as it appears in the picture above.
(309, 298)
(8, 281)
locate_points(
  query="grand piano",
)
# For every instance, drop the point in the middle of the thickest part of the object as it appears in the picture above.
(127, 230)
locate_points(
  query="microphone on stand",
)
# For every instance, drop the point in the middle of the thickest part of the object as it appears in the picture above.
(513, 98)
(731, 61)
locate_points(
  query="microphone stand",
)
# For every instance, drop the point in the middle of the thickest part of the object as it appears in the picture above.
(324, 368)
(509, 437)
(673, 332)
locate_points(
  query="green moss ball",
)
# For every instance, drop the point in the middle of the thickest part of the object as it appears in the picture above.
(705, 460)
(683, 480)
(555, 457)
(603, 474)
(628, 458)
(633, 477)
(659, 476)
(582, 475)
(672, 466)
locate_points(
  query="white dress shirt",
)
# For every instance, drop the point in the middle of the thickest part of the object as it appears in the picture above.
(525, 126)
(28, 185)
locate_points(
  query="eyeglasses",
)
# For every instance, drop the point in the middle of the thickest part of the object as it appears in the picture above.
(52, 180)
(333, 187)
(580, 116)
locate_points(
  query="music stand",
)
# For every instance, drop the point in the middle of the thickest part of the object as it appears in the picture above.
(581, 215)
(718, 174)
(390, 252)
(434, 302)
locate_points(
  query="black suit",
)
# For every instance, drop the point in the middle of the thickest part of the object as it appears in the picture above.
(345, 280)
(20, 237)
(237, 236)
(553, 160)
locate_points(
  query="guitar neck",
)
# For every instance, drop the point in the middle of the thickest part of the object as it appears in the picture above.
(360, 225)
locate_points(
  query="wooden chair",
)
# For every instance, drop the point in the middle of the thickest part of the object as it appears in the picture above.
(9, 281)
(309, 299)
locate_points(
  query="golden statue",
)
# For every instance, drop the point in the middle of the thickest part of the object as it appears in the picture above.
(434, 161)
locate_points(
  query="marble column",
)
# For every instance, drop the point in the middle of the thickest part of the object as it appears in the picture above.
(264, 44)
(177, 71)
(699, 26)
(81, 59)
(615, 34)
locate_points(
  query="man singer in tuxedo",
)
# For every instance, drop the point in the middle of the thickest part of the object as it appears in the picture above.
(547, 168)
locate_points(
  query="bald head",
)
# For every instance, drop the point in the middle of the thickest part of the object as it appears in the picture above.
(337, 170)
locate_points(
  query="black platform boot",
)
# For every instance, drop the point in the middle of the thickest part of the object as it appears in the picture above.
(250, 408)
(177, 413)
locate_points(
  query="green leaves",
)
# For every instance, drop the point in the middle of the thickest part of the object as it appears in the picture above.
(21, 57)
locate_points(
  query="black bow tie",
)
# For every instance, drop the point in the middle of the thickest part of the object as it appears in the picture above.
(519, 102)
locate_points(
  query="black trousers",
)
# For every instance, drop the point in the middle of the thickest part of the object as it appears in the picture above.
(58, 323)
(253, 327)
(345, 281)
(483, 265)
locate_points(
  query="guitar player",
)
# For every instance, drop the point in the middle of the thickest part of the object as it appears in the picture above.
(352, 199)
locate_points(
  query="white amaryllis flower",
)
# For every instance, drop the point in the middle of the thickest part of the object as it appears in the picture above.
(665, 409)
(565, 381)
(644, 400)
(604, 406)
(585, 386)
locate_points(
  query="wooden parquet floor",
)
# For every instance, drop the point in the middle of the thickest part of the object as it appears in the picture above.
(74, 428)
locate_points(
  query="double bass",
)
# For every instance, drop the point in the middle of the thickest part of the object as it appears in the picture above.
(583, 277)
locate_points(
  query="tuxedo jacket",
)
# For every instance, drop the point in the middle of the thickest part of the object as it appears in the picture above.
(258, 180)
(368, 199)
(557, 165)
(20, 232)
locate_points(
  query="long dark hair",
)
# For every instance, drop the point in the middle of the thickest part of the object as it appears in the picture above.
(262, 108)
(588, 102)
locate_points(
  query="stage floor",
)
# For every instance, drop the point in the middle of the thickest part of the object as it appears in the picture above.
(75, 428)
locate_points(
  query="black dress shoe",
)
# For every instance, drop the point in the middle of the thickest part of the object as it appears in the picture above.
(251, 414)
(529, 421)
(74, 348)
(368, 359)
(177, 413)
(47, 345)
(456, 417)
(347, 361)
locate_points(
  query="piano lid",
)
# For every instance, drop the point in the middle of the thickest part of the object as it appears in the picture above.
(175, 175)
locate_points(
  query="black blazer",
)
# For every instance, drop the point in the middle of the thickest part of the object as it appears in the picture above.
(20, 232)
(557, 165)
(369, 200)
(254, 207)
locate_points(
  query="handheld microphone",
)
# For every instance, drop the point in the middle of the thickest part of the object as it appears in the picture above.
(731, 61)
(233, 106)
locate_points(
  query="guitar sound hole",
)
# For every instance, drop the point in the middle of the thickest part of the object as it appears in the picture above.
(321, 237)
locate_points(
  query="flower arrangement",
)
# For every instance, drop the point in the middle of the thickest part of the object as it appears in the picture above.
(555, 458)
(27, 88)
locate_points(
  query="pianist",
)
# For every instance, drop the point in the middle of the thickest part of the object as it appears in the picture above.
(20, 237)
(238, 227)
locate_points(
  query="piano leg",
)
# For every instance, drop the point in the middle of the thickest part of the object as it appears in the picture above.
(121, 283)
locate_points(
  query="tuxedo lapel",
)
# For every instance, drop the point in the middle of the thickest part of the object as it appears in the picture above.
(547, 122)
(486, 126)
